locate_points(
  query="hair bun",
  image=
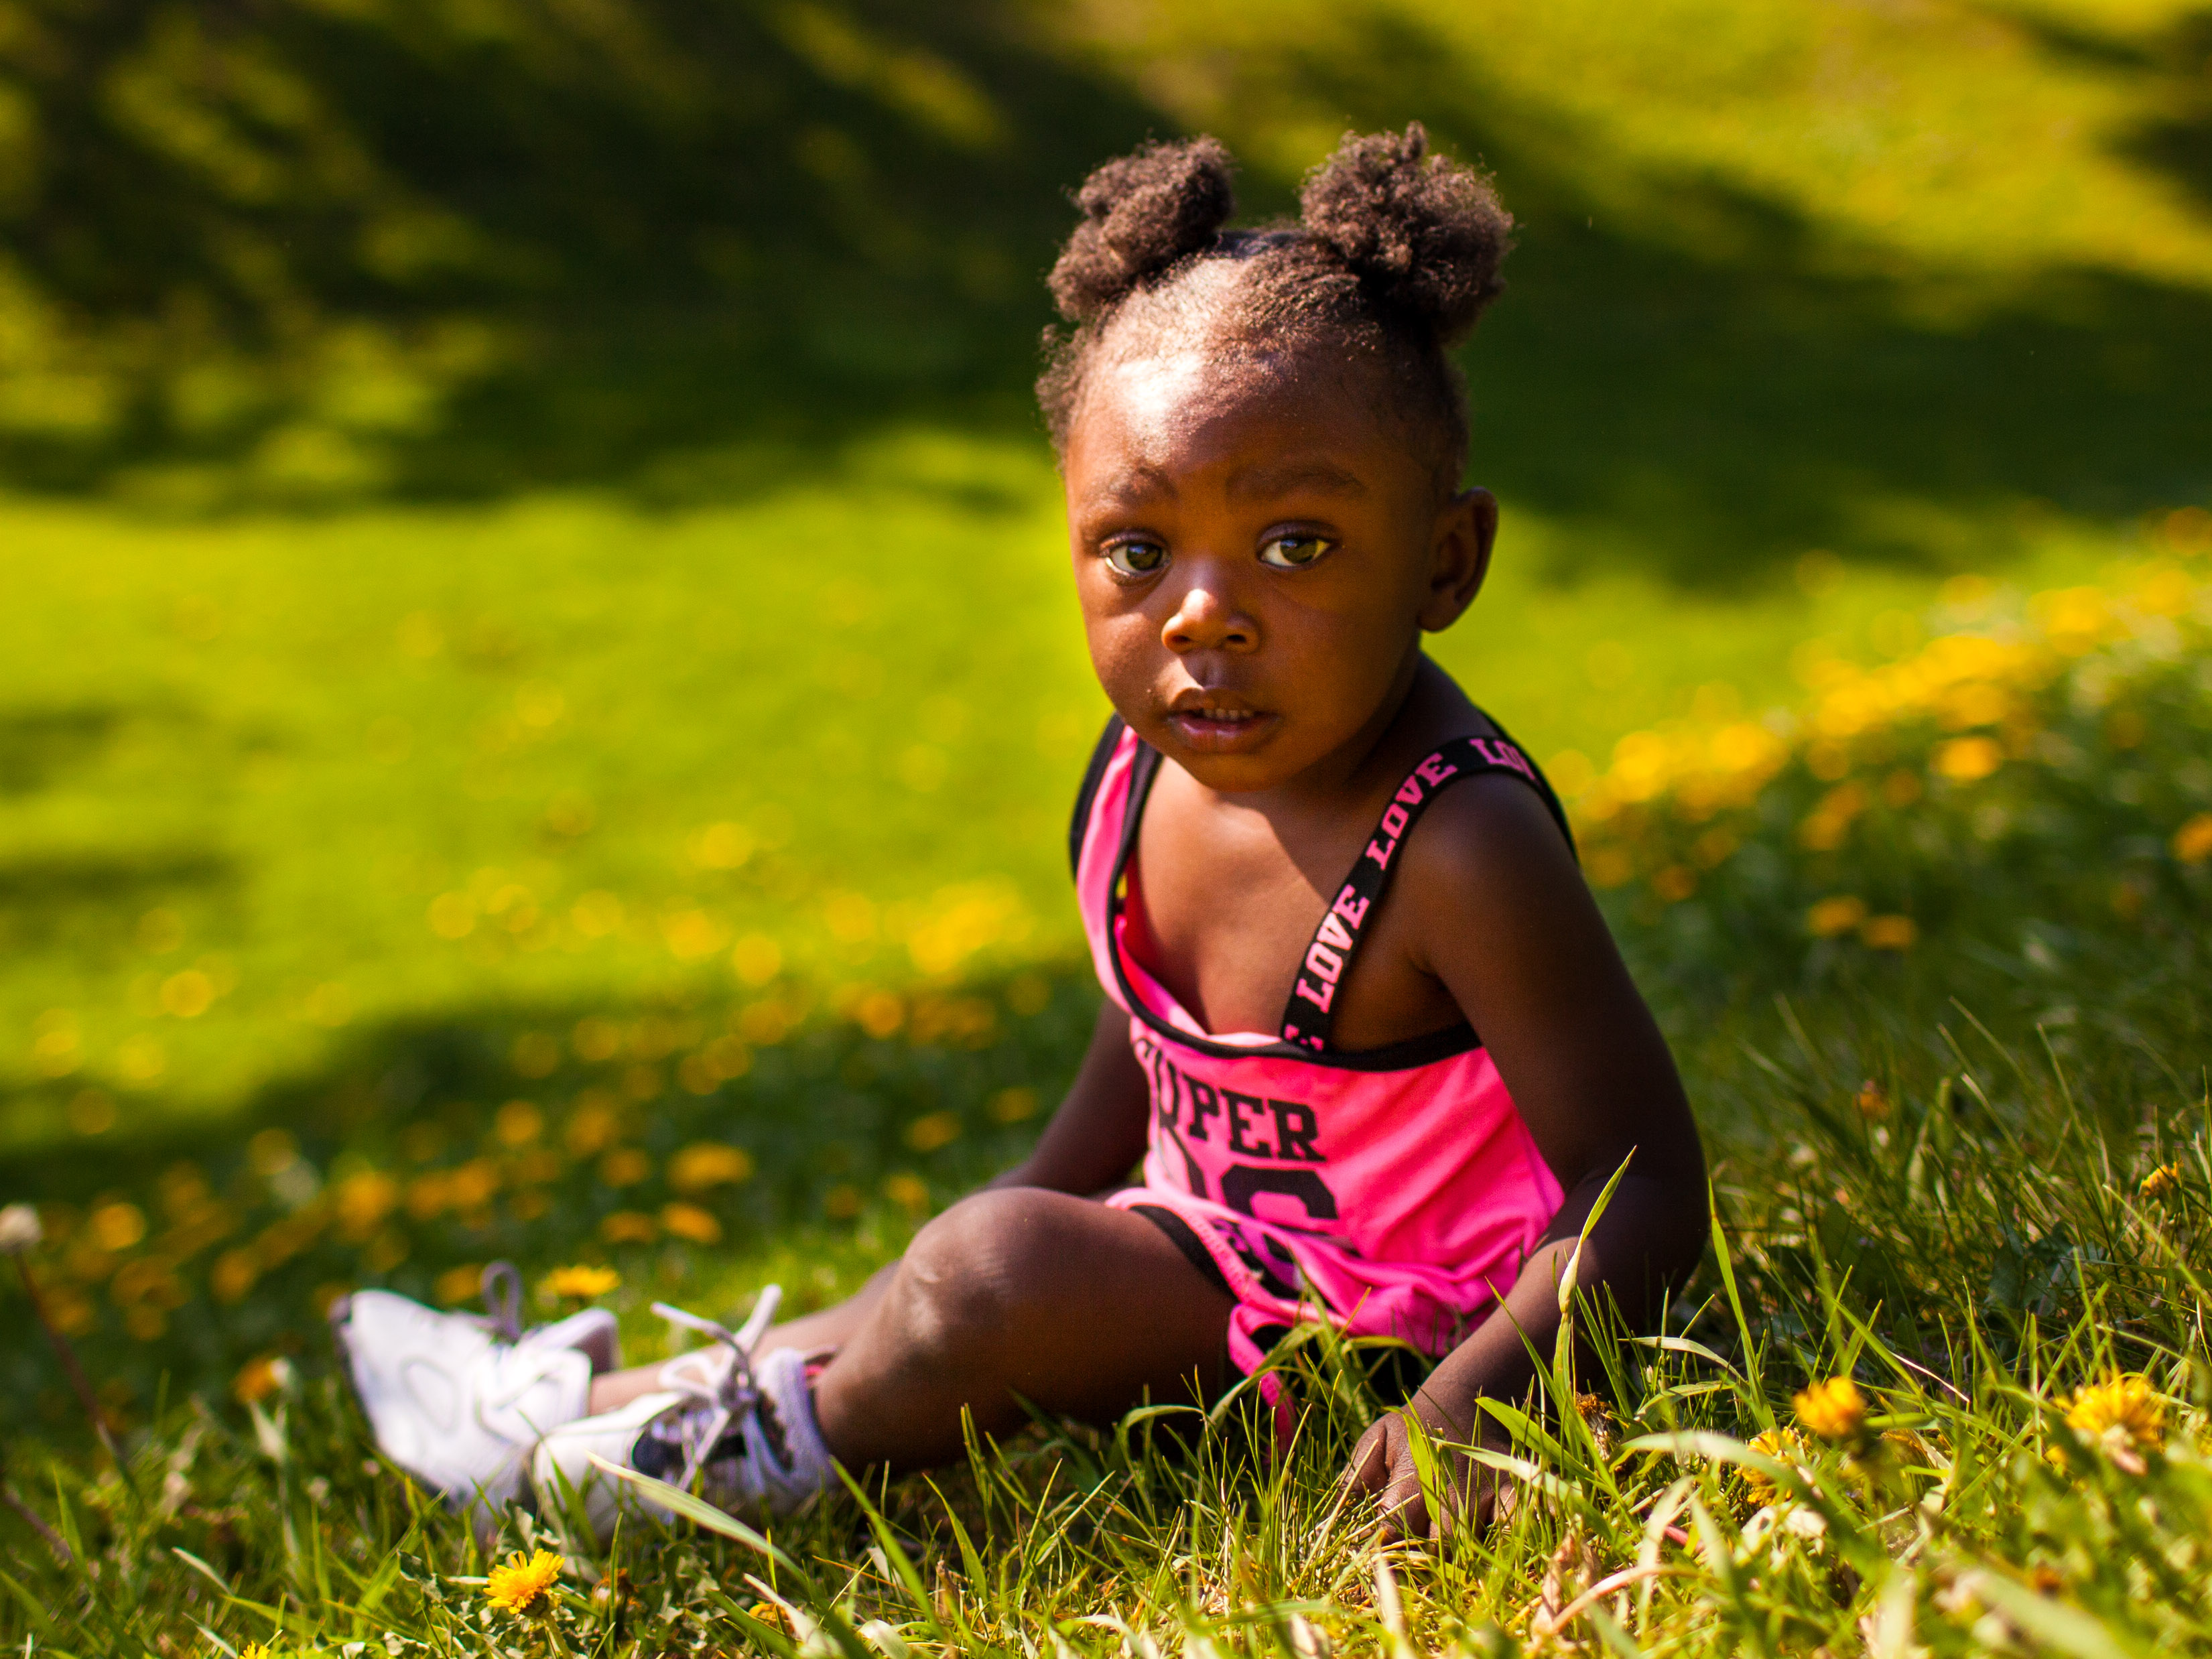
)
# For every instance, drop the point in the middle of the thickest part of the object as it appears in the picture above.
(1424, 233)
(1142, 214)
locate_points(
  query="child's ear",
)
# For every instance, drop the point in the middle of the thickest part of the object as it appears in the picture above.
(1466, 531)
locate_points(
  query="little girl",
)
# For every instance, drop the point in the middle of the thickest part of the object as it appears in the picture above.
(1364, 1025)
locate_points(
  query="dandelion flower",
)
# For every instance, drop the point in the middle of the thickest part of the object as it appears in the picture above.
(1835, 916)
(580, 1283)
(256, 1380)
(689, 1221)
(254, 1650)
(1967, 760)
(2121, 1414)
(630, 1227)
(2192, 842)
(1834, 1410)
(2161, 1182)
(522, 1583)
(709, 1164)
(1783, 1446)
(1889, 933)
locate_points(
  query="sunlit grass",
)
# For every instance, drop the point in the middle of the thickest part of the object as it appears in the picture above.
(1792, 1463)
(650, 864)
(307, 778)
(1941, 1384)
(1980, 141)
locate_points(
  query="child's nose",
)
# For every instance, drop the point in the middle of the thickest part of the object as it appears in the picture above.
(1206, 618)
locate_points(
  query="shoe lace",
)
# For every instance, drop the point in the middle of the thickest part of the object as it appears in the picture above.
(723, 1386)
(501, 1285)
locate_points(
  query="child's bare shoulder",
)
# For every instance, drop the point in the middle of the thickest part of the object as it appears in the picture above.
(1489, 853)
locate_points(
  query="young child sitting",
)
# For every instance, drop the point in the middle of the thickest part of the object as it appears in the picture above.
(1364, 1025)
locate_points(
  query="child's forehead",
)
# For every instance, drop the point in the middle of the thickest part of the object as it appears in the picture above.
(1196, 408)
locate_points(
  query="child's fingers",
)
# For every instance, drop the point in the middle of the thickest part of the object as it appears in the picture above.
(1383, 1466)
(1369, 1471)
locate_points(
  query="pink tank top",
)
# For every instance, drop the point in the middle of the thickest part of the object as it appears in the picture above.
(1394, 1191)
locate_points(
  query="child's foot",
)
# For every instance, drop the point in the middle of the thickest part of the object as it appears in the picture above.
(458, 1399)
(747, 1432)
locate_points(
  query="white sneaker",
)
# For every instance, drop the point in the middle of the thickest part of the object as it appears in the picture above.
(746, 1433)
(458, 1399)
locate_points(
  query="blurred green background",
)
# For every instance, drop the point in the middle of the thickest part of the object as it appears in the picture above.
(518, 510)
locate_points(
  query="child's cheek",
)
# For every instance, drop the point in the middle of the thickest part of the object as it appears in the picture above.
(1119, 654)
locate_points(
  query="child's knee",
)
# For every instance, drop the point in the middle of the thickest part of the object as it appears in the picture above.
(969, 1274)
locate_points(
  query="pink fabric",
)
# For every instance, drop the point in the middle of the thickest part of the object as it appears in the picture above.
(1405, 1200)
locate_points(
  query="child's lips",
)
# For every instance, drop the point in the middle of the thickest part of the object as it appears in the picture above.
(1221, 730)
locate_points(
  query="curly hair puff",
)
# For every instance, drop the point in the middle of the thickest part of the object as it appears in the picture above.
(1394, 256)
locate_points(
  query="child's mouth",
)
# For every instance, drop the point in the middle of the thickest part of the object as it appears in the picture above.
(1219, 731)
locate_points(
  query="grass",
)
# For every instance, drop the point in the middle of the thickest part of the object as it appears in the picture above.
(503, 572)
(539, 699)
(284, 750)
(1982, 1208)
(632, 499)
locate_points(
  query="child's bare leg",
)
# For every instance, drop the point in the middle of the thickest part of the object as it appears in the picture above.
(1017, 1297)
(1076, 1307)
(1079, 1309)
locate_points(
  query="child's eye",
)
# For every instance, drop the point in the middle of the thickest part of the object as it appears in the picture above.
(1133, 560)
(1293, 552)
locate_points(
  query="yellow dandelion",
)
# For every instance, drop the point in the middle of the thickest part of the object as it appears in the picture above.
(459, 1285)
(2161, 1182)
(256, 1380)
(630, 1227)
(709, 1164)
(2192, 842)
(1966, 760)
(580, 1283)
(1834, 1410)
(1610, 866)
(254, 1650)
(1835, 916)
(522, 1583)
(1783, 1446)
(2123, 1413)
(689, 1221)
(1889, 933)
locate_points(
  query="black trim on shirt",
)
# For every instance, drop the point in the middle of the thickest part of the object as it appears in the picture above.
(1101, 757)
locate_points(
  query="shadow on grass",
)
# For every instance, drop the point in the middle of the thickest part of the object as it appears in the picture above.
(686, 253)
(90, 896)
(1695, 385)
(181, 1247)
(2173, 73)
(404, 249)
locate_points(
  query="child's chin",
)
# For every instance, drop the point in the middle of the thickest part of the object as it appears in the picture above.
(1237, 774)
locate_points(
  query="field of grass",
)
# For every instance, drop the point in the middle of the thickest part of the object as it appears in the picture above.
(538, 708)
(1932, 958)
(321, 619)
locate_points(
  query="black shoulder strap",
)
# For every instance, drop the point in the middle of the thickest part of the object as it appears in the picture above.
(1308, 1016)
(1535, 776)
(1109, 740)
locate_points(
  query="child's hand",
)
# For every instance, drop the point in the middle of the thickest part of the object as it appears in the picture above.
(1382, 1467)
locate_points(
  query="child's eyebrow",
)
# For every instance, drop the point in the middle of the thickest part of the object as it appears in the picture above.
(1140, 484)
(1272, 478)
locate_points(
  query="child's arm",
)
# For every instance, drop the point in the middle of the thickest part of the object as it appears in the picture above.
(1510, 928)
(1098, 1135)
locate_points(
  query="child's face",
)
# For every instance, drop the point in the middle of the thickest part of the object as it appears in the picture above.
(1257, 557)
